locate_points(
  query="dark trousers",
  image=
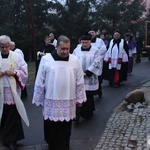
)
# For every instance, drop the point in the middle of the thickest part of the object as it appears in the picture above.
(11, 129)
(100, 86)
(24, 92)
(112, 80)
(138, 59)
(86, 111)
(57, 134)
(130, 65)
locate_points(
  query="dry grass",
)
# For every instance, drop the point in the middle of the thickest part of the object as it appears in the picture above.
(31, 72)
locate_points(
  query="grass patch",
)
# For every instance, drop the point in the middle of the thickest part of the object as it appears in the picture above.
(31, 72)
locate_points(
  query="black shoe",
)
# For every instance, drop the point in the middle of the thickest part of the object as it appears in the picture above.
(6, 144)
(12, 146)
(100, 94)
(116, 85)
(138, 61)
(3, 146)
(111, 84)
(89, 116)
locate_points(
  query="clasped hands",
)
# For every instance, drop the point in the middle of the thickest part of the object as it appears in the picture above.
(7, 72)
(42, 53)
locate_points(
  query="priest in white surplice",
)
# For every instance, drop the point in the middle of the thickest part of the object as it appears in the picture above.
(90, 60)
(116, 61)
(59, 86)
(13, 77)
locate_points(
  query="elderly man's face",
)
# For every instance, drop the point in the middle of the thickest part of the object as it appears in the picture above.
(116, 35)
(5, 48)
(63, 49)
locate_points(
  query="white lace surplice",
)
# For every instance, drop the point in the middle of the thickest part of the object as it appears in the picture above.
(58, 87)
(92, 61)
(15, 63)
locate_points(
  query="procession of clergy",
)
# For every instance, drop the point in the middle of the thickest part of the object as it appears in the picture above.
(65, 83)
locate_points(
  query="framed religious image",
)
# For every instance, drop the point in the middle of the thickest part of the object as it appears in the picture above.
(147, 34)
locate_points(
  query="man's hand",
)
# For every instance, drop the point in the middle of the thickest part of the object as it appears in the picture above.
(1, 73)
(42, 54)
(84, 74)
(79, 104)
(9, 73)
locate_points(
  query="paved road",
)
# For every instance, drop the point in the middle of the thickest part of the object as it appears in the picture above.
(86, 134)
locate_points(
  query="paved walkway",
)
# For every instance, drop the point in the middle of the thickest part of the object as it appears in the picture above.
(29, 147)
(126, 129)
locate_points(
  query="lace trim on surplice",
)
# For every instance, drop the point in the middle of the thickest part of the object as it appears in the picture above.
(59, 110)
(8, 96)
(80, 93)
(38, 97)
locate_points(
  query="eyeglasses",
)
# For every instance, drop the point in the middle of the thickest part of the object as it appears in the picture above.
(64, 48)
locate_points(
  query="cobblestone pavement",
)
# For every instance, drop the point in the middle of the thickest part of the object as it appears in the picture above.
(126, 129)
